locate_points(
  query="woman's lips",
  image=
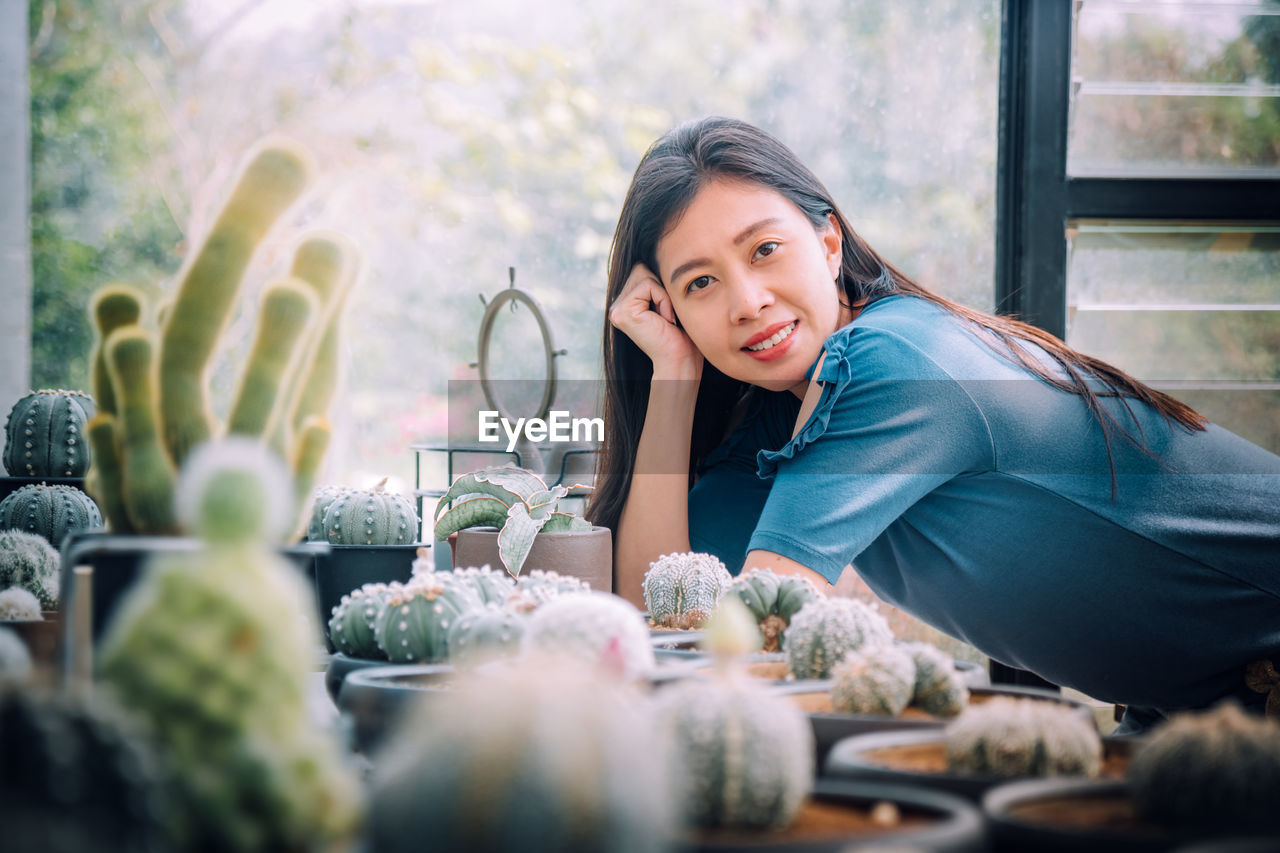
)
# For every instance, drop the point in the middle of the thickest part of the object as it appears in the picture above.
(777, 350)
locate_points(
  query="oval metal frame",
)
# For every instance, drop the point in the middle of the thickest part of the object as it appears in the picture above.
(513, 294)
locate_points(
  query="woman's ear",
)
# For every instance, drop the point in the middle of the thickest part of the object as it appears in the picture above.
(832, 243)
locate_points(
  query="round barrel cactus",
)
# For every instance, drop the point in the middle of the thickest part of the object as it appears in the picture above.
(540, 586)
(876, 679)
(773, 599)
(18, 605)
(826, 629)
(484, 634)
(371, 517)
(596, 627)
(44, 436)
(939, 687)
(351, 627)
(1023, 737)
(491, 585)
(681, 590)
(744, 756)
(413, 624)
(323, 496)
(50, 511)
(30, 562)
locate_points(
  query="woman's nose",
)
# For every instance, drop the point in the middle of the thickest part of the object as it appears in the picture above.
(750, 296)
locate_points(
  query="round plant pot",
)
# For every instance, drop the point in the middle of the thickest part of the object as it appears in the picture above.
(838, 817)
(340, 666)
(919, 758)
(676, 639)
(376, 698)
(346, 567)
(587, 555)
(41, 637)
(766, 666)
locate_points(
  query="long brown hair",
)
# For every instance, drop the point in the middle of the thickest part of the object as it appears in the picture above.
(666, 181)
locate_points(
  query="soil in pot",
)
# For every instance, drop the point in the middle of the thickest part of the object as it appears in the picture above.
(930, 757)
(769, 666)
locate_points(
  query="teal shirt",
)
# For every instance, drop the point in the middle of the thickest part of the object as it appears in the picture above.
(976, 496)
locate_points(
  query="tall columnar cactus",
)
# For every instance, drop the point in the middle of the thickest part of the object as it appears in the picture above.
(773, 599)
(371, 517)
(1023, 737)
(29, 561)
(1215, 770)
(414, 621)
(214, 650)
(484, 634)
(939, 688)
(44, 435)
(49, 511)
(876, 679)
(681, 590)
(591, 626)
(540, 757)
(352, 625)
(112, 307)
(826, 629)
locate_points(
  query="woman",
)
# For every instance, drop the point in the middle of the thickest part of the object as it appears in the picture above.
(781, 396)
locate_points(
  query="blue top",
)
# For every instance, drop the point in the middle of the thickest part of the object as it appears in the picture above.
(979, 498)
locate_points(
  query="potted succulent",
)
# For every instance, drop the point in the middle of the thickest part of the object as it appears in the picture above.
(507, 516)
(29, 593)
(44, 440)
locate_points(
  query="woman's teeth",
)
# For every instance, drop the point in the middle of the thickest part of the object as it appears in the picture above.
(778, 337)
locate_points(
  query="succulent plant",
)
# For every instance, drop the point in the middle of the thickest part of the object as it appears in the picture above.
(44, 435)
(29, 561)
(515, 500)
(50, 511)
(1008, 737)
(939, 688)
(876, 679)
(491, 585)
(370, 517)
(1213, 770)
(826, 629)
(484, 634)
(541, 586)
(214, 650)
(591, 626)
(414, 621)
(546, 757)
(18, 605)
(681, 590)
(351, 627)
(321, 498)
(773, 599)
(15, 658)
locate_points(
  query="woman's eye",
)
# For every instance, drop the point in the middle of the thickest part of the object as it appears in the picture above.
(698, 283)
(765, 249)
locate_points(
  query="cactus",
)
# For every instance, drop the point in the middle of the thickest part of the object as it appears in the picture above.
(491, 585)
(214, 650)
(49, 511)
(773, 599)
(44, 435)
(542, 757)
(591, 626)
(371, 517)
(1216, 770)
(826, 629)
(15, 659)
(876, 679)
(321, 498)
(681, 590)
(413, 624)
(540, 586)
(18, 605)
(515, 500)
(1022, 737)
(939, 688)
(484, 634)
(351, 627)
(30, 562)
(112, 306)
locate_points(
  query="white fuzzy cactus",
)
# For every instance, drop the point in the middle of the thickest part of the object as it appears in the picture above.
(1023, 737)
(681, 589)
(939, 688)
(18, 605)
(541, 586)
(828, 628)
(595, 627)
(876, 679)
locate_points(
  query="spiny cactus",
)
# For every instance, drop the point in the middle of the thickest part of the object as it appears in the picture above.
(18, 605)
(1214, 770)
(875, 679)
(50, 511)
(681, 590)
(44, 435)
(484, 634)
(351, 627)
(939, 688)
(542, 586)
(30, 562)
(371, 517)
(590, 626)
(773, 599)
(826, 629)
(414, 621)
(491, 585)
(15, 658)
(544, 757)
(1023, 737)
(321, 498)
(214, 649)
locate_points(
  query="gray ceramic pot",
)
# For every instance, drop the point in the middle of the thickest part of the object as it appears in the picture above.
(588, 555)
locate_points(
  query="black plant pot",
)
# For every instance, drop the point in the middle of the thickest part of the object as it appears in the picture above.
(343, 568)
(375, 699)
(340, 666)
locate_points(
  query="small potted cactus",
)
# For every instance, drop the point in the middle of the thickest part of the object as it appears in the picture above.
(44, 440)
(773, 599)
(53, 512)
(682, 590)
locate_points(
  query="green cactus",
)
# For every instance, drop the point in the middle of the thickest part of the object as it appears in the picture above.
(414, 621)
(19, 605)
(515, 500)
(15, 659)
(541, 757)
(213, 649)
(1216, 770)
(44, 435)
(260, 403)
(321, 498)
(875, 679)
(540, 586)
(49, 511)
(594, 627)
(744, 756)
(27, 560)
(351, 628)
(484, 634)
(491, 585)
(681, 590)
(939, 688)
(371, 517)
(112, 307)
(773, 599)
(826, 629)
(1009, 737)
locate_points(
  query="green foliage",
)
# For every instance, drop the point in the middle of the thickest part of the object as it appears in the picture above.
(773, 599)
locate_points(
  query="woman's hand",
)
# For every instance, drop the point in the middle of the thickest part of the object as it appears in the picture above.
(644, 314)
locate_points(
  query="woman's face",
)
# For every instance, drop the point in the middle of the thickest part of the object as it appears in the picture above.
(753, 283)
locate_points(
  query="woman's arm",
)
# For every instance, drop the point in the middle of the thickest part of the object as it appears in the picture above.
(785, 566)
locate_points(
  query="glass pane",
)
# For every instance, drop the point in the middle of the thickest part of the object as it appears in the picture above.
(1184, 87)
(1194, 309)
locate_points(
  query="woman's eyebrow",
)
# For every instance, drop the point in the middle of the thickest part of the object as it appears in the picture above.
(742, 235)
